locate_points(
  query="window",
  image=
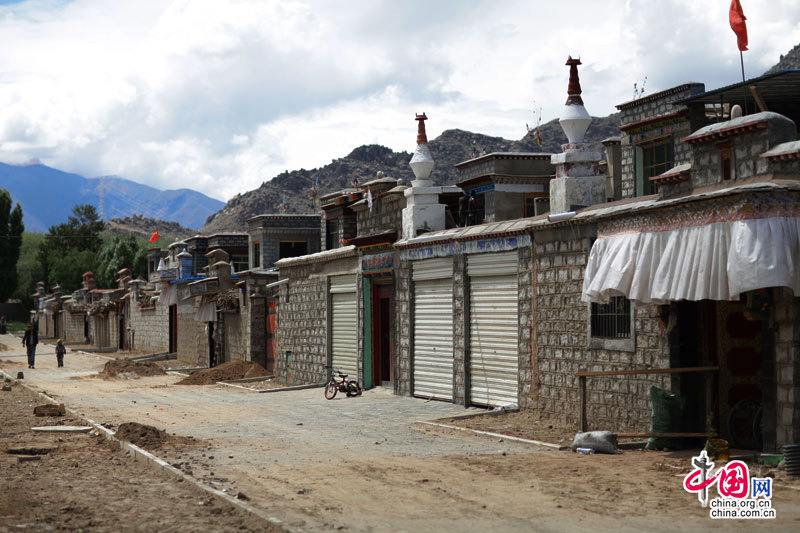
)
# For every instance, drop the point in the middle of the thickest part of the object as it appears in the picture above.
(725, 160)
(239, 262)
(256, 254)
(612, 320)
(331, 234)
(530, 203)
(653, 157)
(611, 325)
(292, 249)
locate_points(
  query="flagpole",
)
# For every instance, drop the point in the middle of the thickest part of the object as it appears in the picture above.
(744, 86)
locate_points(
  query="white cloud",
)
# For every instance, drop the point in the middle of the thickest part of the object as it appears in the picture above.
(220, 95)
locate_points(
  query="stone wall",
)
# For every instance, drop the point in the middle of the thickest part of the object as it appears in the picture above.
(192, 335)
(237, 338)
(73, 327)
(787, 368)
(650, 107)
(403, 303)
(386, 215)
(149, 326)
(302, 327)
(614, 403)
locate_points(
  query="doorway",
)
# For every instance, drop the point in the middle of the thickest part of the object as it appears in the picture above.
(212, 348)
(382, 334)
(173, 329)
(735, 336)
(121, 344)
(272, 319)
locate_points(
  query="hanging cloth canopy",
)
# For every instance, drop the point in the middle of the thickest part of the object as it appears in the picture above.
(706, 251)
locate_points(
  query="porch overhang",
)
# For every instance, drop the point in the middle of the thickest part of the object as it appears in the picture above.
(701, 251)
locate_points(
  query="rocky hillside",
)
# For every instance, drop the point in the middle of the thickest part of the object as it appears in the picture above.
(450, 148)
(141, 226)
(787, 62)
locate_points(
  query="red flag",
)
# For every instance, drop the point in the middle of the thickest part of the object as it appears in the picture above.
(738, 25)
(154, 237)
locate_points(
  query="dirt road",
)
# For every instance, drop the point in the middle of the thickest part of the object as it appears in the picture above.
(366, 464)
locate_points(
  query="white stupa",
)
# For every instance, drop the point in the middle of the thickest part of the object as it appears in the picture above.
(578, 182)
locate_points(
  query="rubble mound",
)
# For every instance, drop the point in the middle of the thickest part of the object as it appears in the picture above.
(121, 368)
(142, 436)
(225, 372)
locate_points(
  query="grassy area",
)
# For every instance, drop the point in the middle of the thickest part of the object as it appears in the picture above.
(17, 327)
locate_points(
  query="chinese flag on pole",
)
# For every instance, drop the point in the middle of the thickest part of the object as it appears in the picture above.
(154, 237)
(738, 24)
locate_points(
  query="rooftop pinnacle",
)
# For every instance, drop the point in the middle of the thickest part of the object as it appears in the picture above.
(421, 137)
(574, 87)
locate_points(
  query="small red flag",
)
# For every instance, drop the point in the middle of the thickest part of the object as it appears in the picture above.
(154, 237)
(738, 24)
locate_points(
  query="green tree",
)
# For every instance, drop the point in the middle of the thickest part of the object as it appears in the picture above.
(11, 229)
(70, 248)
(117, 253)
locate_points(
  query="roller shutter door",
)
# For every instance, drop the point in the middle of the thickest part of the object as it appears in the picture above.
(433, 328)
(494, 347)
(344, 325)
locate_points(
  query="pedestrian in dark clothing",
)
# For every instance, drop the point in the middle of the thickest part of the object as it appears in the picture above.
(60, 351)
(31, 339)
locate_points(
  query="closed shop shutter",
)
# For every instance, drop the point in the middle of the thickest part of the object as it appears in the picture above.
(494, 359)
(433, 339)
(433, 328)
(344, 325)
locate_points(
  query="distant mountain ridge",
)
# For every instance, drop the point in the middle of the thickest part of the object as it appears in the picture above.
(448, 149)
(47, 196)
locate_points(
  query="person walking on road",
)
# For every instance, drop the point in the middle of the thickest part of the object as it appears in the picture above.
(31, 339)
(60, 351)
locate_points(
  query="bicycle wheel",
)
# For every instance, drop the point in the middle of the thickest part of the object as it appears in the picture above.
(330, 390)
(353, 389)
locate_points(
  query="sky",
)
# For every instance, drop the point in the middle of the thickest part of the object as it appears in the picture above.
(222, 95)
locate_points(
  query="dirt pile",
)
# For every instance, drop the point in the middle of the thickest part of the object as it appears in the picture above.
(143, 436)
(225, 372)
(124, 368)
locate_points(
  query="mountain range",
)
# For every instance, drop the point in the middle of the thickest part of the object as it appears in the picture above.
(363, 163)
(47, 196)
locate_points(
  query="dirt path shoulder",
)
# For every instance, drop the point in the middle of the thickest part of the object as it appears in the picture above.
(81, 482)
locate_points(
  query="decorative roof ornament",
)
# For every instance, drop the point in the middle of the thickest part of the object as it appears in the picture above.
(574, 87)
(575, 119)
(422, 161)
(421, 136)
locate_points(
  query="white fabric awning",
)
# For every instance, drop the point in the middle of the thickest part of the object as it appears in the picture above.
(207, 312)
(169, 296)
(716, 261)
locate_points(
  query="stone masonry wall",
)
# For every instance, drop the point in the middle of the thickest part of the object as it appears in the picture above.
(386, 215)
(614, 403)
(302, 327)
(404, 302)
(236, 336)
(650, 108)
(192, 335)
(787, 367)
(149, 327)
(73, 327)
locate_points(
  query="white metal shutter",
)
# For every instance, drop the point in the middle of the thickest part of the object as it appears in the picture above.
(494, 359)
(433, 339)
(344, 325)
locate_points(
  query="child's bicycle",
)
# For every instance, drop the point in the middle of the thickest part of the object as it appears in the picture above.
(351, 388)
